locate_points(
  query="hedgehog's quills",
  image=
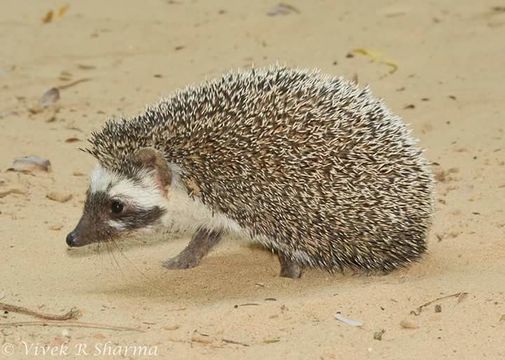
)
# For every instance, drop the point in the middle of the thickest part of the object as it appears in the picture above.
(312, 167)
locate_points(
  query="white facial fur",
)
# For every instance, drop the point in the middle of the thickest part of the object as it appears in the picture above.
(182, 213)
(116, 225)
(144, 195)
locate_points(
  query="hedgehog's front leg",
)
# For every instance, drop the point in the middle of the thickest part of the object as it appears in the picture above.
(289, 268)
(199, 246)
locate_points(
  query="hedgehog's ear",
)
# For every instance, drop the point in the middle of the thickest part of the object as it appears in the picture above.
(152, 159)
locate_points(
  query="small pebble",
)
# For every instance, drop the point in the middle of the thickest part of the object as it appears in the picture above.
(171, 328)
(378, 334)
(58, 196)
(30, 163)
(201, 339)
(407, 324)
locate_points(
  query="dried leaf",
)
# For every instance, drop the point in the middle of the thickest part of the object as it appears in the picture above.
(53, 15)
(282, 9)
(377, 57)
(347, 321)
(407, 324)
(50, 97)
(86, 67)
(30, 163)
(63, 10)
(48, 17)
(58, 196)
(378, 334)
(72, 140)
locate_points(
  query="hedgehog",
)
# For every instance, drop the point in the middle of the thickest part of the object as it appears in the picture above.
(312, 167)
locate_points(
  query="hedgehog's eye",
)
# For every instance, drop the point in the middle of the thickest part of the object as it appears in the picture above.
(116, 206)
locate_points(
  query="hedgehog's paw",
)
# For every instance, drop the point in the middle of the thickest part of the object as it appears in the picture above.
(201, 243)
(182, 261)
(289, 268)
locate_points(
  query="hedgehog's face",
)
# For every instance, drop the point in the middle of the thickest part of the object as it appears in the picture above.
(116, 204)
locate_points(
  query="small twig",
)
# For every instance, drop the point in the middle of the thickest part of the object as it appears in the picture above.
(421, 307)
(73, 83)
(76, 324)
(69, 315)
(228, 341)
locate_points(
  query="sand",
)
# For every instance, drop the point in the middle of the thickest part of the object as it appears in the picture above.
(438, 65)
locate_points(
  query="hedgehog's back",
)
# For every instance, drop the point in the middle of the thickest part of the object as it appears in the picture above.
(311, 166)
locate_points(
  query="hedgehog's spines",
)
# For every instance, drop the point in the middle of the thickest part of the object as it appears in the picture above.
(309, 165)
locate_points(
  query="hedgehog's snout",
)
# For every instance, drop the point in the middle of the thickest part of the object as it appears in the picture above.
(72, 239)
(79, 236)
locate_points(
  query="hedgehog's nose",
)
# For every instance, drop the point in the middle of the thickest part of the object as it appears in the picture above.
(71, 239)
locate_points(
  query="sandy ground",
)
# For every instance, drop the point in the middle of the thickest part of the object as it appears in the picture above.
(448, 86)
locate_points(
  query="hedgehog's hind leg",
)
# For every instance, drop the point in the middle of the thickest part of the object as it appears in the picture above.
(289, 268)
(201, 243)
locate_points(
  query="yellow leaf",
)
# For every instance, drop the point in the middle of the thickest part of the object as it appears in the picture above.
(48, 17)
(62, 10)
(377, 57)
(53, 15)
